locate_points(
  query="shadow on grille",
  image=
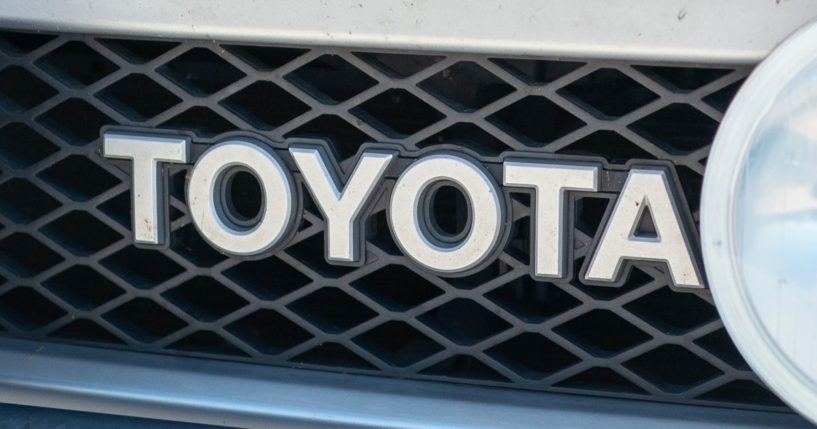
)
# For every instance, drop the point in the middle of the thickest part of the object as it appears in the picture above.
(69, 272)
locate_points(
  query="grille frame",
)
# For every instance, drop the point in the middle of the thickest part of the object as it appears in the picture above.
(343, 109)
(125, 383)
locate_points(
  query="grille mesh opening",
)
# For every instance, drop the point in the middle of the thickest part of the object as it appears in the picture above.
(25, 257)
(683, 79)
(345, 138)
(138, 97)
(466, 86)
(397, 113)
(265, 58)
(609, 93)
(204, 298)
(532, 356)
(78, 178)
(397, 288)
(20, 90)
(348, 82)
(138, 51)
(15, 43)
(268, 278)
(462, 367)
(80, 233)
(532, 301)
(537, 72)
(332, 354)
(206, 341)
(265, 105)
(144, 320)
(536, 121)
(201, 121)
(399, 65)
(268, 332)
(60, 201)
(492, 271)
(678, 127)
(332, 310)
(22, 202)
(18, 155)
(15, 304)
(76, 64)
(673, 368)
(84, 330)
(464, 321)
(604, 379)
(720, 99)
(469, 136)
(602, 333)
(719, 344)
(744, 391)
(201, 72)
(141, 268)
(673, 314)
(188, 243)
(608, 144)
(82, 287)
(75, 121)
(398, 343)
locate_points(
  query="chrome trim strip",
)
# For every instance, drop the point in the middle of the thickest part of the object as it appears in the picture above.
(234, 394)
(723, 31)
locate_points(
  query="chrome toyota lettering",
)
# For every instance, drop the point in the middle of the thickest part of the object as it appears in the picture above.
(345, 199)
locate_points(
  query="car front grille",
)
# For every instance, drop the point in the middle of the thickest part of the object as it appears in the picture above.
(70, 271)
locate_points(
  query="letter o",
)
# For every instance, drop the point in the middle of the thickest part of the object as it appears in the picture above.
(205, 198)
(406, 214)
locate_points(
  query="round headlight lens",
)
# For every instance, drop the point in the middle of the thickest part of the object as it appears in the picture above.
(759, 221)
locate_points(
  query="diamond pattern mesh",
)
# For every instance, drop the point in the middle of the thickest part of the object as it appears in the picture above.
(70, 273)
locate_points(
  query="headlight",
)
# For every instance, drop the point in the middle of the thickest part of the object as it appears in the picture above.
(759, 221)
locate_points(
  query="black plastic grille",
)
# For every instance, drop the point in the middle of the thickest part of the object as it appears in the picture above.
(69, 270)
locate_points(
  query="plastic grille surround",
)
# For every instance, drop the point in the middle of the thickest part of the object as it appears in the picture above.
(70, 272)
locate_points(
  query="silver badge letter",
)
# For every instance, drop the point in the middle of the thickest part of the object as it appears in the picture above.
(645, 189)
(341, 209)
(146, 152)
(550, 182)
(406, 216)
(205, 197)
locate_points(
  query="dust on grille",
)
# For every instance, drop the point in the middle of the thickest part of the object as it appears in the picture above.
(70, 273)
